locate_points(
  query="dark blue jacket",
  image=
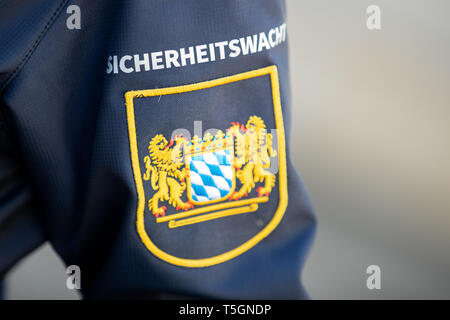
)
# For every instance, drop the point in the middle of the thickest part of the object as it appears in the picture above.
(147, 141)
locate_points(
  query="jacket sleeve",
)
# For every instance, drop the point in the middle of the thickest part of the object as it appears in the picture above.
(105, 117)
(23, 24)
(20, 226)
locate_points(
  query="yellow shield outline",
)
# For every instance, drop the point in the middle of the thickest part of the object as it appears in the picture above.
(282, 175)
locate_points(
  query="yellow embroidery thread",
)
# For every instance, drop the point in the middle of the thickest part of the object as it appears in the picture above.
(253, 150)
(251, 144)
(283, 196)
(166, 174)
(220, 206)
(225, 213)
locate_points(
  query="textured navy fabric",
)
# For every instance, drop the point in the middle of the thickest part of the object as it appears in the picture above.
(65, 169)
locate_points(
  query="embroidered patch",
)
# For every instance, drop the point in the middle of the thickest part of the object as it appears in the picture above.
(203, 200)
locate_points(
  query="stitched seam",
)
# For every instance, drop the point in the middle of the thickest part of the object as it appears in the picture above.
(36, 42)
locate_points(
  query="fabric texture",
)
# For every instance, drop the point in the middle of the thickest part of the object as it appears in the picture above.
(66, 169)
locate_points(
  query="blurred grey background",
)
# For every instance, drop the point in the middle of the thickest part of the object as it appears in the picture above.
(371, 139)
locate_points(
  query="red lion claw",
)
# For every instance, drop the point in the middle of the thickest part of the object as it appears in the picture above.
(177, 208)
(235, 196)
(267, 194)
(259, 192)
(246, 194)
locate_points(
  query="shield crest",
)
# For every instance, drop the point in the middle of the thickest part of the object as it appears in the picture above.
(205, 200)
(211, 176)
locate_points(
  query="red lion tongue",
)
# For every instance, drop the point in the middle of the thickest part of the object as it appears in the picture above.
(170, 144)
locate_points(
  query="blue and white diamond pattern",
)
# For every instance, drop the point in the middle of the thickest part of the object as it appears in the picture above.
(211, 176)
